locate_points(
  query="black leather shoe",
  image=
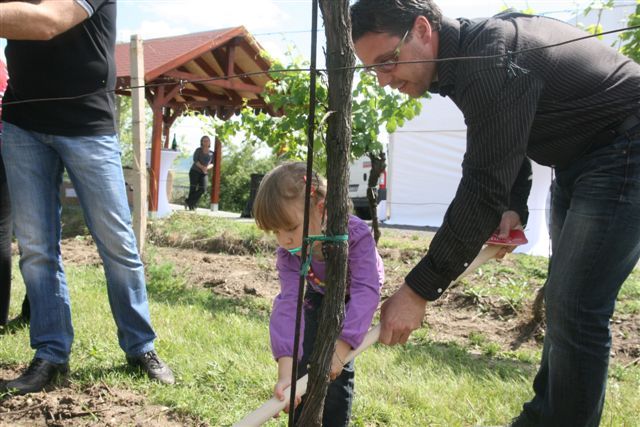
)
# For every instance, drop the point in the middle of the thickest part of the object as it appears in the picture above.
(38, 375)
(14, 325)
(155, 368)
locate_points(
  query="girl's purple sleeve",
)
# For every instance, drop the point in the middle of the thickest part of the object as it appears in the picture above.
(367, 276)
(283, 314)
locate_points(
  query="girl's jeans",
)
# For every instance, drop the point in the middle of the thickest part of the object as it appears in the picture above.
(337, 404)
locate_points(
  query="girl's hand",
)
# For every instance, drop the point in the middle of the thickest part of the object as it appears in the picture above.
(284, 381)
(336, 367)
(338, 361)
(279, 393)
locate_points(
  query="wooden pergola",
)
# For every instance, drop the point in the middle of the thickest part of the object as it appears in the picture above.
(196, 72)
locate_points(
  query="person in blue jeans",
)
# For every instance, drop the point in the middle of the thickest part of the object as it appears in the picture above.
(6, 234)
(5, 224)
(73, 128)
(525, 95)
(5, 245)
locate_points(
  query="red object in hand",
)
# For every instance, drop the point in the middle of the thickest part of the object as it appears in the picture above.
(515, 238)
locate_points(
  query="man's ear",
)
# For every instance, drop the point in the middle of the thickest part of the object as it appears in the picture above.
(422, 29)
(320, 205)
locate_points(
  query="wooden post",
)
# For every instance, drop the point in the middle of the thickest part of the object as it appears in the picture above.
(156, 147)
(139, 152)
(215, 176)
(340, 62)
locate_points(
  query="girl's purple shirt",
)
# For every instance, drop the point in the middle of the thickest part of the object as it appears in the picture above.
(366, 275)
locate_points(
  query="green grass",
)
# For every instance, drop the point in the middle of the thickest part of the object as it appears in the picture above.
(629, 297)
(219, 350)
(412, 244)
(210, 233)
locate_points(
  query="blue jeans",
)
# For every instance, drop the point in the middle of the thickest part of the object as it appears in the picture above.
(5, 247)
(339, 399)
(595, 233)
(34, 165)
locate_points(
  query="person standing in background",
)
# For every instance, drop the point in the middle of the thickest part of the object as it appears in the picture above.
(202, 162)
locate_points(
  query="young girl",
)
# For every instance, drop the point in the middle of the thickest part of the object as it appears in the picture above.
(279, 208)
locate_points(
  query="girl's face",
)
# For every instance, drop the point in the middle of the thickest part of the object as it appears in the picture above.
(292, 238)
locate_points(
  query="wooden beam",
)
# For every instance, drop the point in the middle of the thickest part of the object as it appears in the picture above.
(254, 55)
(233, 84)
(139, 183)
(203, 104)
(231, 56)
(220, 40)
(198, 93)
(156, 144)
(237, 70)
(210, 71)
(209, 94)
(166, 97)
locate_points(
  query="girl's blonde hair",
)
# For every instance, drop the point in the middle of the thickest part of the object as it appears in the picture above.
(279, 190)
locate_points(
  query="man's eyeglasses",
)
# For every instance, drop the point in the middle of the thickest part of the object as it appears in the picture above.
(388, 64)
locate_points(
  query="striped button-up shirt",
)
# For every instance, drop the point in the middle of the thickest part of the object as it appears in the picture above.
(547, 105)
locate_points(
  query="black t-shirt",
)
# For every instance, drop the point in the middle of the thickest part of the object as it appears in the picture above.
(77, 63)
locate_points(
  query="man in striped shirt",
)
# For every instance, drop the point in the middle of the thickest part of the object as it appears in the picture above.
(525, 95)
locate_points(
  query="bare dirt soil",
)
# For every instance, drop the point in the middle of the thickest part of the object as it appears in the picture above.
(453, 318)
(97, 405)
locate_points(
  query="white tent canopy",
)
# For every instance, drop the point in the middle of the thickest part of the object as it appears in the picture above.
(424, 169)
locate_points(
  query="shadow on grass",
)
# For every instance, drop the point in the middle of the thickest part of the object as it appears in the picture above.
(461, 362)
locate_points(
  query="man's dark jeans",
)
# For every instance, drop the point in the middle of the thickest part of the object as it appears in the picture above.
(337, 404)
(5, 247)
(595, 233)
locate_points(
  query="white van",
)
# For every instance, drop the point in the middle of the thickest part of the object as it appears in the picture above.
(358, 181)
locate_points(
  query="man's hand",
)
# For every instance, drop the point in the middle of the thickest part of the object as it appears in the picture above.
(510, 221)
(400, 315)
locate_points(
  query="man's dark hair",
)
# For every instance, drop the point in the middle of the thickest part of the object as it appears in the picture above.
(391, 16)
